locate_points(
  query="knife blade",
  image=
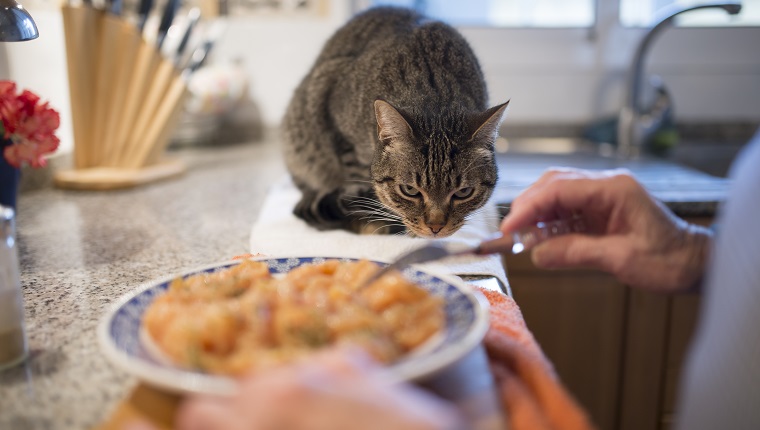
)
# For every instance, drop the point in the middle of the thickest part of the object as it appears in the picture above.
(200, 54)
(170, 10)
(193, 16)
(143, 10)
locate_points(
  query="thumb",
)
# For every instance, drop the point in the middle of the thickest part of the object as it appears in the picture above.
(579, 251)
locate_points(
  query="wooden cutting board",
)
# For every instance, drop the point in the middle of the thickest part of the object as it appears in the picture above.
(112, 178)
(144, 404)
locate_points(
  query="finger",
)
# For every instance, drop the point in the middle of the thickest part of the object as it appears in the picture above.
(580, 251)
(206, 413)
(532, 208)
(522, 211)
(560, 194)
(346, 359)
(138, 425)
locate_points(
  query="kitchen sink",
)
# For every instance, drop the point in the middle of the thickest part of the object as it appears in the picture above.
(707, 156)
(692, 188)
(711, 157)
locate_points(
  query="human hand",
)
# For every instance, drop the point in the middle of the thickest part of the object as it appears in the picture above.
(632, 235)
(336, 390)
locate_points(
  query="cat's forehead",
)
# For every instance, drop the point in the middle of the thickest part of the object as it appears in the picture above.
(449, 124)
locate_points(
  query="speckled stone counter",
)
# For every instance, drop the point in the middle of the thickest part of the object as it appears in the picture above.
(81, 250)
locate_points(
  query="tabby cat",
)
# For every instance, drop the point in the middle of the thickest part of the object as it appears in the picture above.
(390, 130)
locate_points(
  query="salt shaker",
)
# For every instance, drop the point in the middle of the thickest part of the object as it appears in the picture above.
(13, 346)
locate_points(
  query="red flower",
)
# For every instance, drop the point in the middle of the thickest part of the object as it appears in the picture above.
(29, 125)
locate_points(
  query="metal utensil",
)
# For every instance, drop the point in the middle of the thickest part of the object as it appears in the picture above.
(170, 10)
(516, 243)
(192, 20)
(143, 10)
(201, 52)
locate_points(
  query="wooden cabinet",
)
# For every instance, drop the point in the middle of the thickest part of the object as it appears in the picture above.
(619, 351)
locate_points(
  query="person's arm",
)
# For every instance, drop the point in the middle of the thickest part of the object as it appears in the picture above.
(631, 234)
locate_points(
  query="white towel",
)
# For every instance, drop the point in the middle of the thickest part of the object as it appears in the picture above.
(278, 233)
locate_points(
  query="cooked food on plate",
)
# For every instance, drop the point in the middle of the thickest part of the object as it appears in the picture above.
(243, 319)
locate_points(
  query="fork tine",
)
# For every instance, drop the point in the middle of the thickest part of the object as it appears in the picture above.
(429, 252)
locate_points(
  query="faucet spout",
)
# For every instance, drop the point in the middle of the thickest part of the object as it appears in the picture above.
(636, 123)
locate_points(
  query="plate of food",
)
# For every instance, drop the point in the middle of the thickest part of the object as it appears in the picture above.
(197, 331)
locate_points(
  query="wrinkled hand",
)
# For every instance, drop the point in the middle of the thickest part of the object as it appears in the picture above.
(633, 236)
(334, 391)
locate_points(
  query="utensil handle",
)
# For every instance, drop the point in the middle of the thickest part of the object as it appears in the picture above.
(526, 238)
(499, 245)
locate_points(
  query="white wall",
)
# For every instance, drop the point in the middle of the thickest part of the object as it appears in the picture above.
(562, 76)
(551, 75)
(277, 52)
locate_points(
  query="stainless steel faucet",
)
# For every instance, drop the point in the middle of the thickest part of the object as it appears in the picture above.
(636, 123)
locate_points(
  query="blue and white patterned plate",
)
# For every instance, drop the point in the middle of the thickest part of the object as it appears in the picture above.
(119, 332)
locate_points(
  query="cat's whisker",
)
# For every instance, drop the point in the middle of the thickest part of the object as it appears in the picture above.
(367, 181)
(486, 210)
(487, 220)
(382, 227)
(371, 211)
(368, 204)
(374, 216)
(381, 211)
(488, 215)
(366, 201)
(371, 219)
(362, 198)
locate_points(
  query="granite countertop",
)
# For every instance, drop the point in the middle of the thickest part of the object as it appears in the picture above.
(81, 250)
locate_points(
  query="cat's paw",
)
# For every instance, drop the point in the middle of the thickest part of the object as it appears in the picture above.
(321, 212)
(304, 209)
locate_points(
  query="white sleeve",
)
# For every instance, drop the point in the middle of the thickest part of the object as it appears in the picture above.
(721, 385)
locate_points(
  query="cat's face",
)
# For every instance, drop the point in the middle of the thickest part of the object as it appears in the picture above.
(433, 179)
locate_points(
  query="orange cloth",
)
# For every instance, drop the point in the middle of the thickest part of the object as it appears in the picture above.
(532, 396)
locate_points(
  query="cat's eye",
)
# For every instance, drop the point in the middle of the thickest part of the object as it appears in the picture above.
(409, 190)
(464, 192)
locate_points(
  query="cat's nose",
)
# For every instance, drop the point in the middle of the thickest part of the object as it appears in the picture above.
(435, 228)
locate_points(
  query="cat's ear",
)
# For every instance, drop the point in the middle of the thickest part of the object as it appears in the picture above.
(487, 124)
(391, 125)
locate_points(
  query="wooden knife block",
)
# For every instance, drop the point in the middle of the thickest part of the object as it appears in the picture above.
(126, 99)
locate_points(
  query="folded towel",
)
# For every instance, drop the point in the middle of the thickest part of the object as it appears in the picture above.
(278, 233)
(532, 396)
